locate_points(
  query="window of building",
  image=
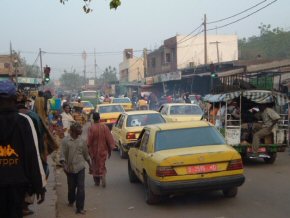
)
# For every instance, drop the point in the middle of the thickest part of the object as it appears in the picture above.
(153, 62)
(167, 57)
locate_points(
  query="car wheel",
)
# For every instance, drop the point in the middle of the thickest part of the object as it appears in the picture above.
(132, 176)
(122, 153)
(272, 158)
(230, 192)
(150, 197)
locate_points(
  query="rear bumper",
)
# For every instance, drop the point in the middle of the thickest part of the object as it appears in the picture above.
(163, 188)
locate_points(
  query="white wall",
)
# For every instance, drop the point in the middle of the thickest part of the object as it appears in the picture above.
(192, 50)
(136, 68)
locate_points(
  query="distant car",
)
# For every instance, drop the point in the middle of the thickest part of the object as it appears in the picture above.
(88, 108)
(174, 158)
(129, 125)
(178, 112)
(125, 102)
(109, 113)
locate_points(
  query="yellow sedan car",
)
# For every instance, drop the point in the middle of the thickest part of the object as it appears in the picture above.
(173, 158)
(109, 113)
(129, 125)
(125, 102)
(88, 108)
(181, 112)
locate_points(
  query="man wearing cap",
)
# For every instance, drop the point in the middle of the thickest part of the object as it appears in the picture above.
(20, 165)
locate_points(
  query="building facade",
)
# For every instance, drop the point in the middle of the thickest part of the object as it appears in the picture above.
(181, 52)
(131, 69)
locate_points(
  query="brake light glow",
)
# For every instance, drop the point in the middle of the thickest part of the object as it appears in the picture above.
(131, 135)
(103, 120)
(235, 165)
(165, 171)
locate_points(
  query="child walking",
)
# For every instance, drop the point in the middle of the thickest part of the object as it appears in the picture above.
(73, 158)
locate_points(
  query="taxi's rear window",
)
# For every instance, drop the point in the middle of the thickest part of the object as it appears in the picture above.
(189, 137)
(144, 119)
(111, 109)
(121, 100)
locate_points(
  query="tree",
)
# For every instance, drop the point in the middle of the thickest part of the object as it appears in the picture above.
(71, 81)
(109, 75)
(114, 4)
(271, 44)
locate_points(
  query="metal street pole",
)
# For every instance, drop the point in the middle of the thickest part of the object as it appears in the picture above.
(41, 70)
(84, 56)
(205, 41)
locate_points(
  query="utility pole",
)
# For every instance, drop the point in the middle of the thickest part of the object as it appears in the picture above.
(84, 56)
(145, 61)
(95, 66)
(217, 50)
(205, 41)
(41, 70)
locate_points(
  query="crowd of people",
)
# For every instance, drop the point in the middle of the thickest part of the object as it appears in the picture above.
(35, 127)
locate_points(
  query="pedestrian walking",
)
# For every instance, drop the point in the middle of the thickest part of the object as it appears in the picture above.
(21, 170)
(100, 144)
(67, 118)
(74, 155)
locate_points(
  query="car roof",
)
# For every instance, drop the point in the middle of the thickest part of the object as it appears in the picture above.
(177, 104)
(141, 112)
(179, 125)
(110, 104)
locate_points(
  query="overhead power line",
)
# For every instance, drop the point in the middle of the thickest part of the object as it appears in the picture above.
(256, 5)
(228, 24)
(181, 40)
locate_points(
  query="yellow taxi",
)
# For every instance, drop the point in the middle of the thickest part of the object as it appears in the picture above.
(181, 112)
(129, 125)
(109, 113)
(125, 102)
(173, 158)
(88, 108)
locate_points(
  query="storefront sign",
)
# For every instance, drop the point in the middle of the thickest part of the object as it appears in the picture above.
(29, 80)
(167, 77)
(149, 80)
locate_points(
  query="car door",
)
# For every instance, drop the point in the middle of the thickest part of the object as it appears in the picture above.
(117, 128)
(142, 154)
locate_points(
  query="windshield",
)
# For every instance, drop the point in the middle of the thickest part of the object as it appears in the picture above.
(89, 94)
(185, 110)
(111, 109)
(87, 104)
(121, 100)
(144, 119)
(185, 138)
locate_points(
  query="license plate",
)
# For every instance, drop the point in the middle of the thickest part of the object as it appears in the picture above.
(262, 149)
(202, 168)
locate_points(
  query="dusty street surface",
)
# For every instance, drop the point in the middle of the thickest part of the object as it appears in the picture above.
(265, 194)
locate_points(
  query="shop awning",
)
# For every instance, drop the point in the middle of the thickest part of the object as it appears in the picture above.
(257, 96)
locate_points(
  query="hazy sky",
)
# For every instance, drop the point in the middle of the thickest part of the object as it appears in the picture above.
(65, 31)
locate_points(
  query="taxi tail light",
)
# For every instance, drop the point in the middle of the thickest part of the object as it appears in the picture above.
(103, 120)
(165, 171)
(235, 165)
(131, 135)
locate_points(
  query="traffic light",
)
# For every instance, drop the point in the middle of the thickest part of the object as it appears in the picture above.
(212, 69)
(46, 74)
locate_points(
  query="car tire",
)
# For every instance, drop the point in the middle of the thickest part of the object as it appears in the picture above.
(150, 197)
(132, 176)
(272, 158)
(230, 192)
(123, 154)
